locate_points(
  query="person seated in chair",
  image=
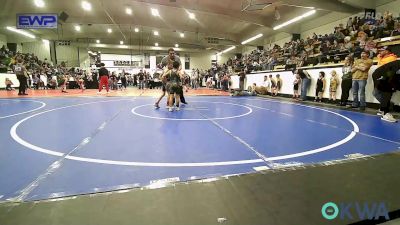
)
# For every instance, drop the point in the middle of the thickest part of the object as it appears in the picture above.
(52, 84)
(8, 84)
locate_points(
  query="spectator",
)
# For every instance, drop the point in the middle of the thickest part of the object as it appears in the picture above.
(266, 89)
(396, 32)
(384, 87)
(346, 80)
(305, 83)
(242, 77)
(296, 84)
(224, 82)
(8, 84)
(52, 84)
(349, 23)
(35, 82)
(320, 88)
(253, 89)
(22, 76)
(278, 85)
(141, 79)
(113, 81)
(123, 80)
(272, 84)
(334, 82)
(360, 75)
(64, 81)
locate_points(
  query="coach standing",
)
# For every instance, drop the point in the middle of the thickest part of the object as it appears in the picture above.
(103, 75)
(169, 59)
(22, 77)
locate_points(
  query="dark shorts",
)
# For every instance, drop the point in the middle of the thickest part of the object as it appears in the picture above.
(164, 88)
(173, 88)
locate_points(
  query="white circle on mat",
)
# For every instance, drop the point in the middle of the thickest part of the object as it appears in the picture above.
(15, 136)
(23, 100)
(250, 110)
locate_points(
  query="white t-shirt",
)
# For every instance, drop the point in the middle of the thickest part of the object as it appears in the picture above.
(267, 83)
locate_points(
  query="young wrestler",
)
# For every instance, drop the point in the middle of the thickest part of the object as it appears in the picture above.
(174, 86)
(164, 80)
(334, 83)
(64, 83)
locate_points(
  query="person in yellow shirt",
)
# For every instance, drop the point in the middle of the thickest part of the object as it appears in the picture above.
(334, 83)
(360, 75)
(384, 95)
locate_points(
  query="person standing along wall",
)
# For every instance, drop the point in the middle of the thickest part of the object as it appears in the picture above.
(384, 90)
(320, 88)
(22, 77)
(305, 83)
(346, 80)
(103, 74)
(141, 79)
(334, 82)
(360, 75)
(242, 76)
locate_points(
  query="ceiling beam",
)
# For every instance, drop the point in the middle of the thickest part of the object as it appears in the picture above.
(328, 5)
(232, 14)
(157, 26)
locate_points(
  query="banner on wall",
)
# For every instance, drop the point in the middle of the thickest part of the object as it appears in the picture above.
(128, 63)
(37, 21)
(146, 57)
(370, 15)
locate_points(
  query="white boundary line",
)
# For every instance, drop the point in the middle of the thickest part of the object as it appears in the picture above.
(15, 136)
(125, 163)
(27, 100)
(251, 148)
(291, 103)
(196, 119)
(353, 133)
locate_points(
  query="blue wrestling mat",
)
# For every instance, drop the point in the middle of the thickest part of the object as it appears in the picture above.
(54, 147)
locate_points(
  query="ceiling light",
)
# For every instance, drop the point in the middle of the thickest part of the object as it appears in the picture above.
(227, 50)
(77, 28)
(109, 30)
(156, 44)
(176, 46)
(182, 35)
(45, 41)
(136, 30)
(121, 42)
(39, 3)
(156, 33)
(86, 6)
(155, 12)
(21, 32)
(98, 41)
(252, 39)
(128, 11)
(309, 13)
(191, 16)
